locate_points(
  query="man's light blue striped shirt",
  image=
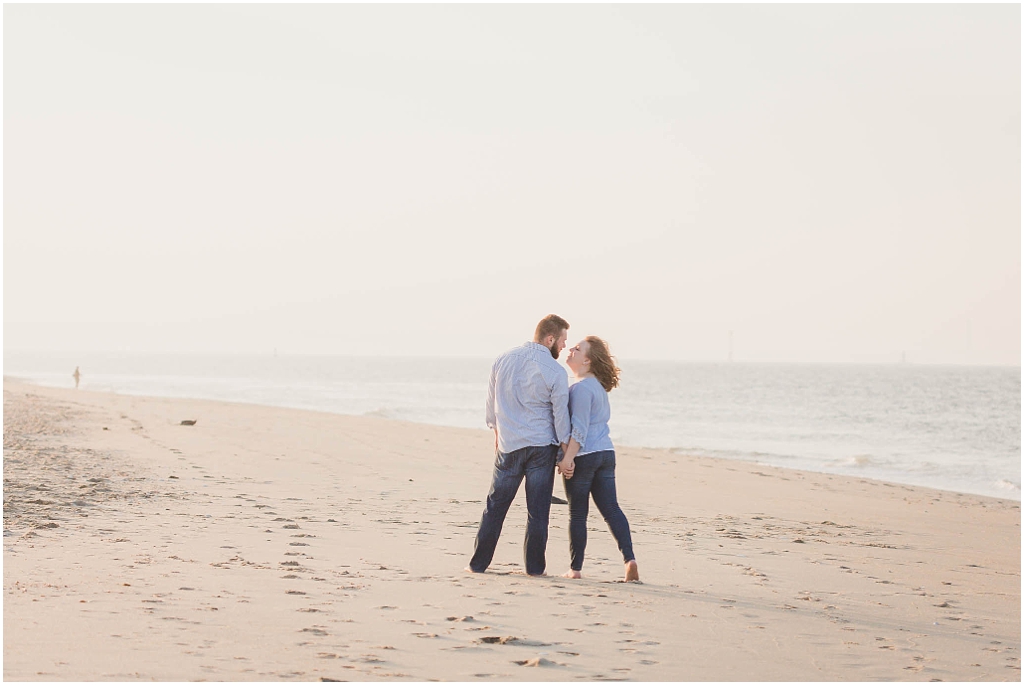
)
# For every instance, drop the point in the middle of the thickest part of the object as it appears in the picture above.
(528, 399)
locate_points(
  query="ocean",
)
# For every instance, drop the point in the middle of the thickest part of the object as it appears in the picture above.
(949, 427)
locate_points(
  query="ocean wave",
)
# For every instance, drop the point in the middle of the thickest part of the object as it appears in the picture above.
(1008, 486)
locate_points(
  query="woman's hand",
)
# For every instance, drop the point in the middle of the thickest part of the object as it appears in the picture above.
(567, 467)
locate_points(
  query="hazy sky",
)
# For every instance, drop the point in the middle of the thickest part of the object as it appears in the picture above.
(832, 183)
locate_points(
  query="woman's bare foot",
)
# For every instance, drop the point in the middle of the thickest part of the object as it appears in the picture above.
(632, 572)
(575, 575)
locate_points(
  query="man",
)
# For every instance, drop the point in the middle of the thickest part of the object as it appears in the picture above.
(528, 410)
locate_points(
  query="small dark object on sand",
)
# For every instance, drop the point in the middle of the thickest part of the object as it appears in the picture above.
(557, 500)
(189, 422)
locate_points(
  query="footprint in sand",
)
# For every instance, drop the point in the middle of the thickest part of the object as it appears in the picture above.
(512, 640)
(371, 659)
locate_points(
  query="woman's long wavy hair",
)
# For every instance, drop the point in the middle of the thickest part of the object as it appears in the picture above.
(602, 363)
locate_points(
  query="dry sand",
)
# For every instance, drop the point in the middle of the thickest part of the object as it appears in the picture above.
(269, 544)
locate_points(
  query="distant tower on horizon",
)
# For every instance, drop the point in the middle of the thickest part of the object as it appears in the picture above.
(730, 346)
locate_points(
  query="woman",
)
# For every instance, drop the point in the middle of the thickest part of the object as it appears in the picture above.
(588, 467)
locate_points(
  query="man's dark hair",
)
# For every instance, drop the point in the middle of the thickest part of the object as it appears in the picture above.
(551, 324)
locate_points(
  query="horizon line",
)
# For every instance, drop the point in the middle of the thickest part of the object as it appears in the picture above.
(274, 354)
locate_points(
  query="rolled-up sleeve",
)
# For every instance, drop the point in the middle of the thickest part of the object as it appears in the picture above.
(489, 410)
(560, 406)
(580, 402)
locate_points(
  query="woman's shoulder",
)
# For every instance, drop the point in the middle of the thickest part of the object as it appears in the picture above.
(589, 385)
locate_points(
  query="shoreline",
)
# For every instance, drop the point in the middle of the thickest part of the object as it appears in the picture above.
(268, 543)
(676, 451)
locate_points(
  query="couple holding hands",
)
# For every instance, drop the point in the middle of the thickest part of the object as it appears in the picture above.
(540, 424)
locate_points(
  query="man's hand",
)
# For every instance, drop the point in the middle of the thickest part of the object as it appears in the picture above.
(567, 467)
(495, 440)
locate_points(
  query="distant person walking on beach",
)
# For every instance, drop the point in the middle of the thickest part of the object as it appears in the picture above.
(77, 375)
(527, 408)
(588, 467)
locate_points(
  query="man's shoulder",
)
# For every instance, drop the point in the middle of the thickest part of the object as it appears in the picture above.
(530, 353)
(552, 365)
(542, 356)
(528, 350)
(516, 352)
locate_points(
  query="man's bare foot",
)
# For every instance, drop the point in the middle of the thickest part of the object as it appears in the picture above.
(575, 575)
(632, 572)
(469, 569)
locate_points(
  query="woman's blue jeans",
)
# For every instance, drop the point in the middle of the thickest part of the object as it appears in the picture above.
(537, 465)
(595, 476)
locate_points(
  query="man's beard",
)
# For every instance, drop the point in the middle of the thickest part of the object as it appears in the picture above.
(554, 350)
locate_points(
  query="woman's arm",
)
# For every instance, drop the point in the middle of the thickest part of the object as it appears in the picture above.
(580, 407)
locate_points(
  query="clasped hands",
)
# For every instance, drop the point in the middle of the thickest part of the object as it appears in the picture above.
(566, 466)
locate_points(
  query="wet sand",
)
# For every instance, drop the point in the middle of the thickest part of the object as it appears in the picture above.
(275, 544)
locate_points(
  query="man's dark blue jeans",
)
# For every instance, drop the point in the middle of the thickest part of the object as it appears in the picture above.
(595, 476)
(537, 465)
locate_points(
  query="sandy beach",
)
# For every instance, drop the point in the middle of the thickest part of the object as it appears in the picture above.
(274, 544)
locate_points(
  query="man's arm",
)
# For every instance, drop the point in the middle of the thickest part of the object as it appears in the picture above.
(489, 415)
(560, 406)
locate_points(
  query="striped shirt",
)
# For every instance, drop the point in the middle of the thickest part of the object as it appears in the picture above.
(528, 399)
(590, 411)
